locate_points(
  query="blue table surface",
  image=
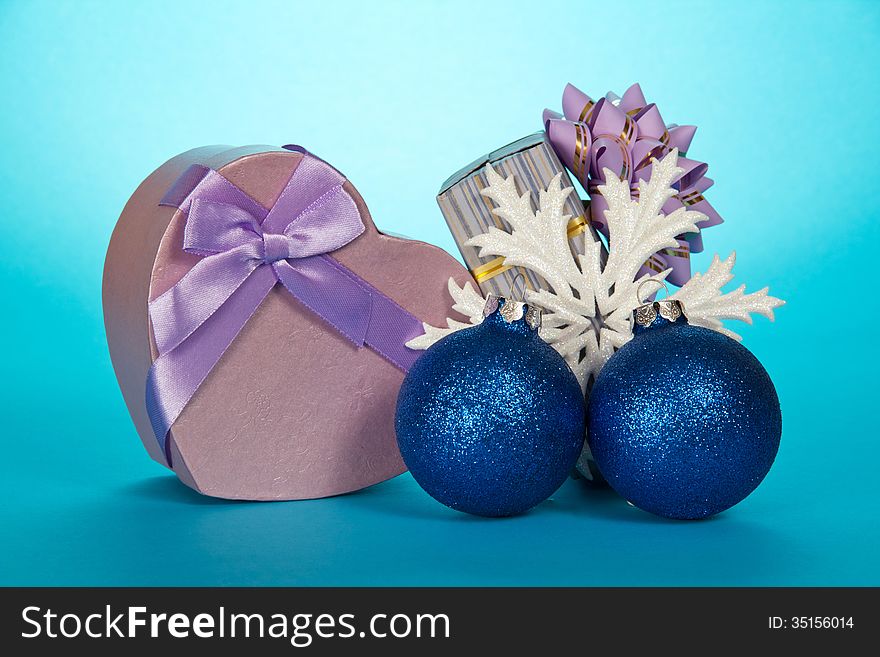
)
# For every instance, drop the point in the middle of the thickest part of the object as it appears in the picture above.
(96, 95)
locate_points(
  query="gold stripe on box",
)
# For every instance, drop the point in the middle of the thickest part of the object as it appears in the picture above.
(494, 267)
(577, 226)
(489, 270)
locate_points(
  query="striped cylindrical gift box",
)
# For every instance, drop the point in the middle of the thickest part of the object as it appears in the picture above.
(468, 213)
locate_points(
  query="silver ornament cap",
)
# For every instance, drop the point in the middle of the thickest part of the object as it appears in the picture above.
(512, 310)
(669, 309)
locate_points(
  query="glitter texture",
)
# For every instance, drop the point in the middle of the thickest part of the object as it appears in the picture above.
(684, 422)
(490, 420)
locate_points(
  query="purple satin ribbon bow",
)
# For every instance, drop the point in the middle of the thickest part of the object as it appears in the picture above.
(623, 135)
(246, 250)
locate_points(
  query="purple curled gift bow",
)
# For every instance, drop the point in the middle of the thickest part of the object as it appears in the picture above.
(624, 135)
(246, 249)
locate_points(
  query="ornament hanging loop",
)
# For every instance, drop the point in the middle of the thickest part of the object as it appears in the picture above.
(658, 281)
(522, 295)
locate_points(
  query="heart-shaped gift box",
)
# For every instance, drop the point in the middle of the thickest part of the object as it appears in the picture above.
(257, 322)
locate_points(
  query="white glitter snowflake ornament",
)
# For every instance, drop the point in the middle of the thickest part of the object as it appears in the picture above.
(588, 301)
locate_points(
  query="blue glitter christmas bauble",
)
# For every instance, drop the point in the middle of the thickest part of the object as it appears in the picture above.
(684, 421)
(490, 419)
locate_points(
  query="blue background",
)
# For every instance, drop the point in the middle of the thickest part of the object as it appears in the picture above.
(399, 95)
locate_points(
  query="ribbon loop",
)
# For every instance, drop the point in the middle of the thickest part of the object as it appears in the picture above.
(214, 227)
(625, 135)
(327, 225)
